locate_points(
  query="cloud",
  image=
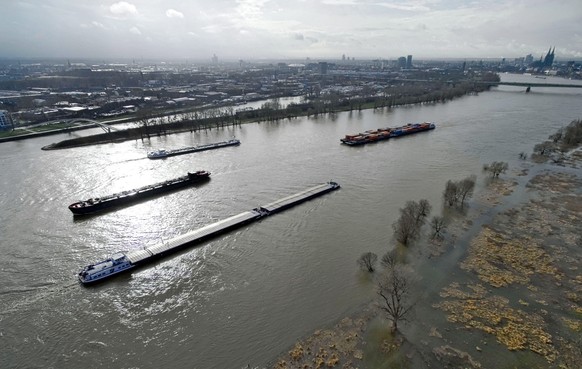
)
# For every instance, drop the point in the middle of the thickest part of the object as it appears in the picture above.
(98, 25)
(172, 13)
(250, 9)
(123, 8)
(135, 31)
(407, 6)
(340, 2)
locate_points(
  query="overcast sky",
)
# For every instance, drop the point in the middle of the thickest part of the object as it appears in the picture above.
(284, 29)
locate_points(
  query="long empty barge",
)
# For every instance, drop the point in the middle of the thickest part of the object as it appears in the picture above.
(380, 134)
(122, 261)
(97, 204)
(160, 154)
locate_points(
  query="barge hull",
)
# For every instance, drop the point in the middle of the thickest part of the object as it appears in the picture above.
(147, 254)
(131, 196)
(382, 134)
(190, 150)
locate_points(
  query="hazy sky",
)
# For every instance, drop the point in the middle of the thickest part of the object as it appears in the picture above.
(257, 29)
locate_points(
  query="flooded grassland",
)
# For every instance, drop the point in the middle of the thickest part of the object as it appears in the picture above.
(514, 295)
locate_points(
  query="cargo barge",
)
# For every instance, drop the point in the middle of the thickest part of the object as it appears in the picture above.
(97, 204)
(386, 133)
(123, 261)
(160, 154)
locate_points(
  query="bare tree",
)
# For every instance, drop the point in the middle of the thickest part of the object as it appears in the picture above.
(145, 119)
(573, 134)
(556, 137)
(424, 208)
(457, 192)
(390, 259)
(522, 155)
(451, 193)
(466, 187)
(412, 218)
(496, 168)
(367, 261)
(438, 225)
(394, 289)
(406, 228)
(544, 148)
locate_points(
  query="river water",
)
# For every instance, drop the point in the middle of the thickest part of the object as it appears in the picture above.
(246, 296)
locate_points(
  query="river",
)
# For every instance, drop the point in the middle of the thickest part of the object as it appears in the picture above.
(244, 297)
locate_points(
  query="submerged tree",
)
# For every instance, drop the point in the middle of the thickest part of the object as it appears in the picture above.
(412, 218)
(405, 227)
(496, 168)
(438, 225)
(389, 260)
(573, 133)
(466, 187)
(451, 193)
(423, 210)
(544, 148)
(368, 261)
(145, 121)
(394, 289)
(457, 192)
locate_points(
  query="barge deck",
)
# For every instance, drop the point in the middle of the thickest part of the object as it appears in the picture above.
(133, 258)
(160, 154)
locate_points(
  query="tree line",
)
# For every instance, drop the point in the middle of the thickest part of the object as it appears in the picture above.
(559, 143)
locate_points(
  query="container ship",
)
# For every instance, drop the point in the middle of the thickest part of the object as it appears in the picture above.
(386, 133)
(96, 204)
(160, 154)
(126, 260)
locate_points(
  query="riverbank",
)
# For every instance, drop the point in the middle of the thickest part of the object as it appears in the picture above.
(325, 105)
(517, 290)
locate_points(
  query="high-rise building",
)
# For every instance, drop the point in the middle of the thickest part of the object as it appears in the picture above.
(528, 59)
(323, 67)
(402, 62)
(409, 62)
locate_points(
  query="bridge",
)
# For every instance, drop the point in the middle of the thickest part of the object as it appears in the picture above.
(492, 83)
(90, 122)
(526, 84)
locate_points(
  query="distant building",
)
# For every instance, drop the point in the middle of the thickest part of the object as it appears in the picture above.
(402, 62)
(323, 67)
(5, 120)
(528, 59)
(214, 59)
(549, 59)
(409, 62)
(545, 62)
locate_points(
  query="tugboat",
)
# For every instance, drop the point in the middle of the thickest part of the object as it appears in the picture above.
(96, 204)
(105, 269)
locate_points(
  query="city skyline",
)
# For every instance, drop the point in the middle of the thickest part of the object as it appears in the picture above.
(292, 29)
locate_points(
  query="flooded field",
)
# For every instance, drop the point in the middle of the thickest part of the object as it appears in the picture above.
(516, 296)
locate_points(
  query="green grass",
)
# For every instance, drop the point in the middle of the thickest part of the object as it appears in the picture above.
(4, 134)
(50, 127)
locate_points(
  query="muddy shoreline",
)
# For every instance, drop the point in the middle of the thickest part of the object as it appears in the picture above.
(519, 297)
